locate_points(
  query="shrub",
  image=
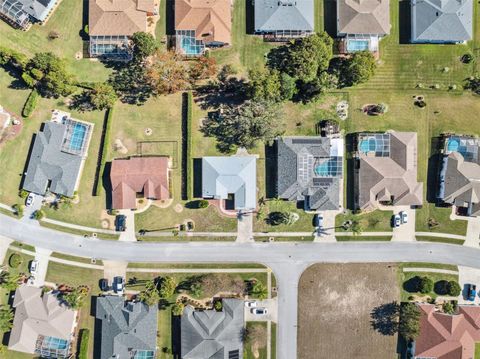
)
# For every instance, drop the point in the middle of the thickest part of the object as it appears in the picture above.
(467, 58)
(203, 203)
(453, 288)
(18, 208)
(23, 194)
(12, 58)
(30, 104)
(448, 308)
(39, 215)
(425, 285)
(29, 80)
(83, 347)
(177, 309)
(218, 306)
(15, 260)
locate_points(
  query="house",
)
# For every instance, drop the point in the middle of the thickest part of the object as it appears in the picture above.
(147, 176)
(310, 169)
(112, 22)
(43, 325)
(386, 170)
(22, 13)
(459, 179)
(57, 156)
(231, 178)
(445, 336)
(283, 19)
(129, 329)
(362, 23)
(441, 22)
(213, 334)
(202, 23)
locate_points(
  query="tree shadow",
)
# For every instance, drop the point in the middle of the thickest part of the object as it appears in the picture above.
(384, 318)
(81, 102)
(231, 91)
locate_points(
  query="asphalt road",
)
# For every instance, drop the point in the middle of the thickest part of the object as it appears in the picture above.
(287, 260)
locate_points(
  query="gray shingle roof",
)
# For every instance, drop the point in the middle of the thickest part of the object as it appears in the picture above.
(278, 15)
(296, 176)
(210, 334)
(126, 327)
(236, 175)
(49, 163)
(441, 20)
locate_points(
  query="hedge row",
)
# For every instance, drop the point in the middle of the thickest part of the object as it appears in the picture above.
(31, 103)
(12, 58)
(83, 347)
(105, 145)
(189, 146)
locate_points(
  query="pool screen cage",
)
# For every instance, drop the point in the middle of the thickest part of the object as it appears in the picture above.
(466, 146)
(50, 347)
(282, 35)
(377, 143)
(12, 10)
(69, 136)
(114, 47)
(328, 167)
(372, 40)
(187, 44)
(142, 354)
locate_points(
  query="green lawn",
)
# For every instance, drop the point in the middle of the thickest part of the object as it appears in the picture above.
(428, 265)
(77, 231)
(375, 221)
(363, 238)
(477, 350)
(251, 343)
(67, 21)
(74, 258)
(196, 265)
(440, 240)
(303, 224)
(405, 276)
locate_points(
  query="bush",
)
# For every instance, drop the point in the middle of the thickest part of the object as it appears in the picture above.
(30, 104)
(23, 194)
(448, 308)
(39, 215)
(15, 260)
(105, 147)
(12, 58)
(177, 309)
(218, 306)
(18, 208)
(453, 288)
(425, 285)
(202, 203)
(83, 347)
(467, 58)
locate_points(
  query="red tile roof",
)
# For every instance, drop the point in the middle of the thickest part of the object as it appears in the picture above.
(147, 175)
(445, 336)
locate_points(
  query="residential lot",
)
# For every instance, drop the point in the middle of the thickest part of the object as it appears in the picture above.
(336, 302)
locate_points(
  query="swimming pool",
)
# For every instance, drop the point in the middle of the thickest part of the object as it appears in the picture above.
(144, 354)
(191, 46)
(357, 45)
(54, 343)
(77, 139)
(368, 145)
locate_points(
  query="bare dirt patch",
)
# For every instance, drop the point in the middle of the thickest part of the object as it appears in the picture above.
(335, 306)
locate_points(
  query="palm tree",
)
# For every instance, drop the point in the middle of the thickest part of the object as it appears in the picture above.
(259, 290)
(6, 319)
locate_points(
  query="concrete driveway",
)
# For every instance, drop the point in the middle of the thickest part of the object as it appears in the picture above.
(468, 275)
(129, 234)
(113, 269)
(272, 312)
(245, 227)
(29, 211)
(42, 256)
(327, 232)
(406, 231)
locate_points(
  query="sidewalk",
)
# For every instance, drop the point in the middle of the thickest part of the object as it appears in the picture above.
(76, 226)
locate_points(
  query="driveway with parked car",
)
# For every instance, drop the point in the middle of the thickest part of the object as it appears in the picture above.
(403, 223)
(469, 280)
(261, 310)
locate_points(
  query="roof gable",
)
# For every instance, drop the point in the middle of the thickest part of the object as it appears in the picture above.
(273, 15)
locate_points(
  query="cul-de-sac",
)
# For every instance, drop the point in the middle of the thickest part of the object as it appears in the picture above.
(240, 179)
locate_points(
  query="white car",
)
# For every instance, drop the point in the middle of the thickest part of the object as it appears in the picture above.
(319, 220)
(250, 304)
(259, 311)
(34, 267)
(30, 199)
(396, 221)
(404, 217)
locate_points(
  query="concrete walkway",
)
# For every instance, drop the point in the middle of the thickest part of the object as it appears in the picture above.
(431, 270)
(7, 207)
(76, 226)
(441, 235)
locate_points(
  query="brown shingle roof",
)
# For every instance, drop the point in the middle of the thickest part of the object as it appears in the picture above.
(118, 17)
(147, 175)
(363, 17)
(211, 19)
(445, 336)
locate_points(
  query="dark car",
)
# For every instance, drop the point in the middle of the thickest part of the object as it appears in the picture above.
(471, 292)
(104, 285)
(120, 223)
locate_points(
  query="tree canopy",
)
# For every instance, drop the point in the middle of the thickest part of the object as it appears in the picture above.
(144, 45)
(244, 125)
(168, 74)
(167, 287)
(102, 96)
(150, 296)
(359, 68)
(409, 325)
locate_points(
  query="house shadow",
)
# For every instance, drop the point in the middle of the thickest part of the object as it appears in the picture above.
(405, 22)
(170, 17)
(107, 184)
(349, 170)
(176, 334)
(271, 168)
(249, 17)
(197, 177)
(82, 33)
(29, 154)
(433, 170)
(97, 337)
(330, 17)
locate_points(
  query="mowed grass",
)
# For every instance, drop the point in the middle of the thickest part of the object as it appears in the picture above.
(67, 22)
(405, 276)
(375, 221)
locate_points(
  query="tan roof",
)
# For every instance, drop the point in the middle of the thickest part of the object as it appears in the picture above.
(118, 17)
(147, 175)
(383, 178)
(445, 336)
(363, 17)
(36, 315)
(211, 19)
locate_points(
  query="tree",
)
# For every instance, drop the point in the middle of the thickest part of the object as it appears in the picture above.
(409, 325)
(177, 309)
(258, 290)
(359, 68)
(314, 89)
(264, 85)
(102, 96)
(218, 306)
(150, 296)
(245, 125)
(303, 58)
(473, 84)
(203, 203)
(144, 45)
(453, 288)
(18, 209)
(131, 83)
(448, 308)
(288, 86)
(167, 287)
(168, 74)
(425, 285)
(6, 319)
(9, 281)
(75, 299)
(203, 68)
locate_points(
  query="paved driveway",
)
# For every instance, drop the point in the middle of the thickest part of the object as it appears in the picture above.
(406, 231)
(29, 211)
(129, 234)
(42, 256)
(272, 313)
(467, 275)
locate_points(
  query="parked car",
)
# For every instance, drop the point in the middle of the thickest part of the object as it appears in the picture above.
(34, 267)
(404, 217)
(104, 285)
(471, 292)
(259, 311)
(396, 221)
(250, 304)
(30, 199)
(118, 285)
(120, 223)
(318, 220)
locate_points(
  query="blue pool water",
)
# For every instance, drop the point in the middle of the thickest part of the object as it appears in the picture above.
(369, 145)
(323, 169)
(453, 145)
(54, 343)
(144, 354)
(190, 46)
(78, 137)
(357, 45)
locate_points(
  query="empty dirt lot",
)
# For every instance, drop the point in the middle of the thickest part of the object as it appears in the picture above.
(335, 306)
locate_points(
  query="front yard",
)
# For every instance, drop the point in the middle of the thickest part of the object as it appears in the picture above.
(375, 221)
